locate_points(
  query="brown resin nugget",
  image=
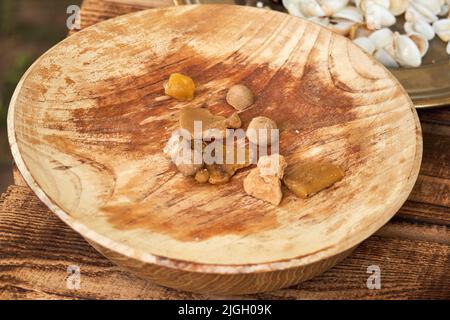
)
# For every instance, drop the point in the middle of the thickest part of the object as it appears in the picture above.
(202, 176)
(212, 126)
(222, 173)
(218, 129)
(189, 115)
(306, 179)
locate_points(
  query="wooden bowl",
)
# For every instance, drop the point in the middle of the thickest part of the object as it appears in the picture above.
(87, 126)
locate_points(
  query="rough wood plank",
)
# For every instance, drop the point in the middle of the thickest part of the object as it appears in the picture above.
(94, 11)
(436, 115)
(415, 232)
(409, 270)
(17, 177)
(36, 248)
(430, 199)
(433, 184)
(424, 213)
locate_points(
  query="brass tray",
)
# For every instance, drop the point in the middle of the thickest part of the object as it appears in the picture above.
(428, 86)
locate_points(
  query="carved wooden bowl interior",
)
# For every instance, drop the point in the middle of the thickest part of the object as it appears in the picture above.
(87, 126)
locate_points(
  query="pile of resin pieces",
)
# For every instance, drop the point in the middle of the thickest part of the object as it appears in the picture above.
(367, 23)
(187, 148)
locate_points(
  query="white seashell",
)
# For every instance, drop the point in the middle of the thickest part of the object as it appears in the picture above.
(350, 13)
(398, 7)
(357, 3)
(363, 3)
(433, 5)
(442, 29)
(390, 48)
(293, 7)
(332, 6)
(421, 27)
(323, 21)
(365, 44)
(310, 8)
(384, 3)
(448, 48)
(444, 10)
(421, 42)
(341, 26)
(417, 11)
(359, 30)
(385, 58)
(378, 16)
(406, 53)
(382, 38)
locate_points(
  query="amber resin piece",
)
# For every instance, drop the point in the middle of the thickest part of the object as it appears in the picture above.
(222, 173)
(218, 129)
(306, 179)
(232, 121)
(189, 115)
(213, 126)
(218, 173)
(202, 176)
(180, 87)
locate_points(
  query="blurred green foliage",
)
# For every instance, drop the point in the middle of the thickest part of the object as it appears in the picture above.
(10, 78)
(5, 18)
(27, 29)
(11, 73)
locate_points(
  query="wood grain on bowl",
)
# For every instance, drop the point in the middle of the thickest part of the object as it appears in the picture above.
(87, 127)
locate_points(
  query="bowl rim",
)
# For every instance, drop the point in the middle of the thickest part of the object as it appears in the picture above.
(150, 258)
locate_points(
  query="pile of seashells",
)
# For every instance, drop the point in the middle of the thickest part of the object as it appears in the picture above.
(367, 22)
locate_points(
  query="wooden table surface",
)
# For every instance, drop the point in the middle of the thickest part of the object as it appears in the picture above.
(412, 250)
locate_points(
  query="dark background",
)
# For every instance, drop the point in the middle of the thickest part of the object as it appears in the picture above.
(28, 28)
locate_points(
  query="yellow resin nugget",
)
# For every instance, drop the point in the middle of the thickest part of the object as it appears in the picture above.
(180, 87)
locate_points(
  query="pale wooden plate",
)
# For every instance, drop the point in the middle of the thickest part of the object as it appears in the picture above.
(87, 128)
